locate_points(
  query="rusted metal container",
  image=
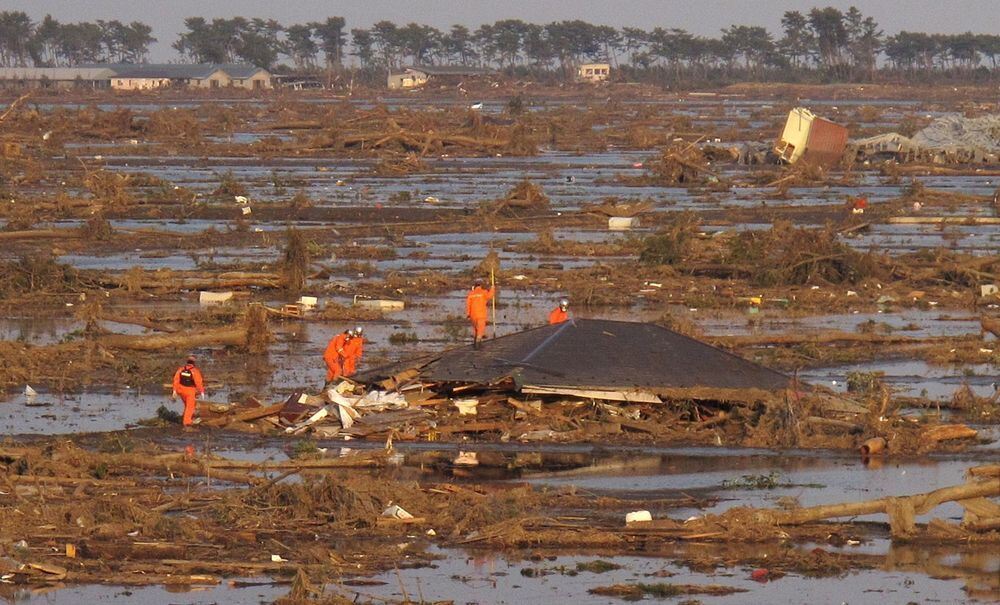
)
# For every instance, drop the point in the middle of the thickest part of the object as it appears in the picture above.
(811, 139)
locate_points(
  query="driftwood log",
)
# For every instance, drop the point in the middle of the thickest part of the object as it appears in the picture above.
(901, 510)
(202, 338)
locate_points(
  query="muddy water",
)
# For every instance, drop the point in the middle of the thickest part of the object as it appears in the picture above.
(223, 594)
(482, 578)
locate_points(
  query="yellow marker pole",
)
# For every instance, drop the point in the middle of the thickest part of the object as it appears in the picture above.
(493, 288)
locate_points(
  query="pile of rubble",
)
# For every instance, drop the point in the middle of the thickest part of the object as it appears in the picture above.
(952, 139)
(581, 380)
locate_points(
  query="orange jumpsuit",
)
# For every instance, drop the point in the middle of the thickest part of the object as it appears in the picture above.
(475, 309)
(188, 383)
(334, 356)
(353, 351)
(557, 316)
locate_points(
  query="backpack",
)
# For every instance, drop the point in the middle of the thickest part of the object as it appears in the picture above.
(187, 377)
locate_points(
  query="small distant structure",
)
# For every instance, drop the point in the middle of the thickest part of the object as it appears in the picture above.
(593, 72)
(297, 81)
(420, 75)
(150, 76)
(811, 139)
(55, 77)
(140, 76)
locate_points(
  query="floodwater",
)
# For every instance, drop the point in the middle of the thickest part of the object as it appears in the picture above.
(222, 594)
(924, 574)
(484, 578)
(903, 573)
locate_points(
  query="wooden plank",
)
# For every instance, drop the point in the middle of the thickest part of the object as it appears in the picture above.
(626, 396)
(944, 220)
(246, 416)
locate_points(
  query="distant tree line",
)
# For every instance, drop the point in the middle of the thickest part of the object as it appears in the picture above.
(51, 43)
(824, 42)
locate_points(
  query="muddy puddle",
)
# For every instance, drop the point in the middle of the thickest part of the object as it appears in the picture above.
(231, 592)
(471, 577)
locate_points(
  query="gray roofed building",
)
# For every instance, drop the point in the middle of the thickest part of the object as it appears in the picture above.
(173, 71)
(147, 76)
(61, 77)
(600, 355)
(240, 70)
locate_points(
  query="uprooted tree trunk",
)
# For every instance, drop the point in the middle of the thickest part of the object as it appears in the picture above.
(901, 510)
(201, 338)
(174, 280)
(295, 265)
(254, 335)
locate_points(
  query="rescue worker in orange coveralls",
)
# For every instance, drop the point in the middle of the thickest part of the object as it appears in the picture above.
(559, 314)
(334, 355)
(354, 348)
(475, 309)
(188, 384)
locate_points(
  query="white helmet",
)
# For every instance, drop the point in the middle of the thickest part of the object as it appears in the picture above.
(358, 330)
(563, 304)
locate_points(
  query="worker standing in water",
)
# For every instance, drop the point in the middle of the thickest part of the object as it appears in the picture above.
(354, 348)
(475, 309)
(188, 384)
(335, 354)
(560, 313)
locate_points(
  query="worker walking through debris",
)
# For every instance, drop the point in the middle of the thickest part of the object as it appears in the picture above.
(560, 313)
(188, 384)
(476, 311)
(354, 348)
(334, 356)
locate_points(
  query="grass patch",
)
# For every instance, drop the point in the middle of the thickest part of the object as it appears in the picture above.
(661, 590)
(597, 566)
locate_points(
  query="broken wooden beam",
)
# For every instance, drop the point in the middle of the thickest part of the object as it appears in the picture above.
(246, 416)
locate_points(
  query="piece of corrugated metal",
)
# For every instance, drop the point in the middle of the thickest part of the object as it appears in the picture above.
(826, 143)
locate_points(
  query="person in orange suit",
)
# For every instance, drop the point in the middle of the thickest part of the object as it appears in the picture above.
(334, 355)
(353, 350)
(560, 313)
(188, 384)
(475, 309)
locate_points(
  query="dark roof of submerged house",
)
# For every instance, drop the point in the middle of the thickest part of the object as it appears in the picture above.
(601, 355)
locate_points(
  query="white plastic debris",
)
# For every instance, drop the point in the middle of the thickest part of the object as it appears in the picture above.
(396, 511)
(242, 199)
(638, 516)
(467, 407)
(246, 210)
(214, 298)
(623, 223)
(380, 304)
(278, 559)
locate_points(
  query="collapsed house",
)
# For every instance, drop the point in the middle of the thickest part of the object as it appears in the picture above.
(591, 359)
(420, 75)
(576, 380)
(952, 139)
(581, 380)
